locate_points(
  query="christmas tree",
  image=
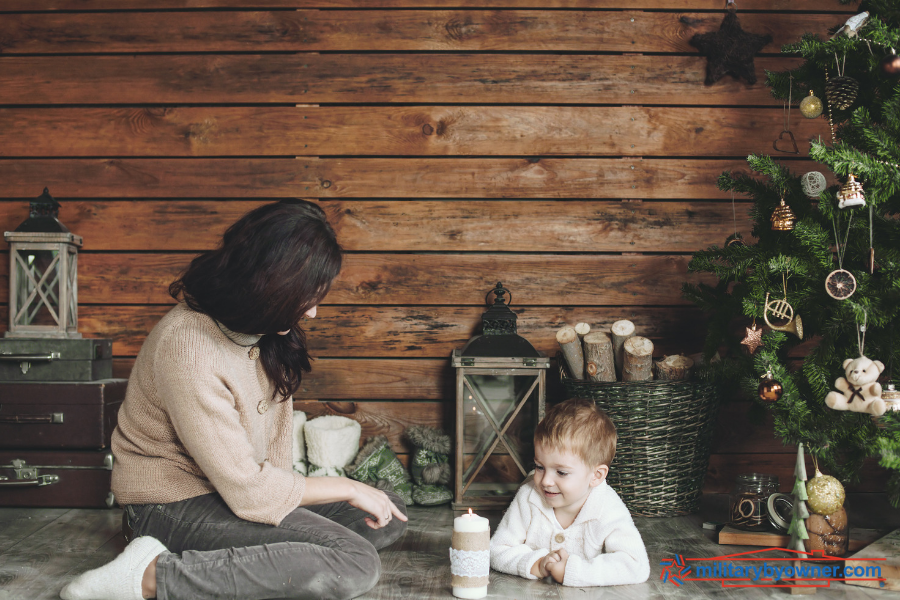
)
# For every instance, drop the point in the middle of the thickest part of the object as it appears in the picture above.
(855, 314)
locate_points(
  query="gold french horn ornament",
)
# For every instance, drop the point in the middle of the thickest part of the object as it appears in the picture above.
(780, 309)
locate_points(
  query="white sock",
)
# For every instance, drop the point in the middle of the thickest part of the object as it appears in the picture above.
(120, 579)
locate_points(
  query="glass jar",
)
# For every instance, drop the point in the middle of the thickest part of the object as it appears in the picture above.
(748, 501)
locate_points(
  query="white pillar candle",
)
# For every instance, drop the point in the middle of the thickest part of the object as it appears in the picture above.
(470, 556)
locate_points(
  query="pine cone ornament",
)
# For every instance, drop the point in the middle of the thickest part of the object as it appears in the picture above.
(841, 92)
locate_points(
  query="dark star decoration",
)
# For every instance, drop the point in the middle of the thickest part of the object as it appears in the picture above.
(729, 50)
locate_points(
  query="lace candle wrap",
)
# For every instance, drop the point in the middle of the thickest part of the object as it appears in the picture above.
(470, 556)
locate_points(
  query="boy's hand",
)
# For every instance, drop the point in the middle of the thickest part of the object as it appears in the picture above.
(557, 568)
(540, 569)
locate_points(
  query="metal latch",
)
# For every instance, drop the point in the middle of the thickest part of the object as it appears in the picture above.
(529, 362)
(26, 476)
(467, 361)
(25, 360)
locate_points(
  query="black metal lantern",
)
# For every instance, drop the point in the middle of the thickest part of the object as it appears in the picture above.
(43, 275)
(500, 394)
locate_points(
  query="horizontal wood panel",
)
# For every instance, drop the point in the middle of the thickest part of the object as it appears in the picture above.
(388, 30)
(375, 78)
(419, 130)
(371, 177)
(447, 226)
(398, 279)
(780, 5)
(725, 468)
(415, 332)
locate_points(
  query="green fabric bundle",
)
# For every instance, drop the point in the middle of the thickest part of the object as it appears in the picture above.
(377, 465)
(430, 465)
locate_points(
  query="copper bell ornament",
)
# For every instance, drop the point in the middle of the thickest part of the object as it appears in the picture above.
(890, 64)
(851, 193)
(783, 218)
(769, 390)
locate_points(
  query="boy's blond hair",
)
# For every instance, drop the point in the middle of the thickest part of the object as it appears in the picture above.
(580, 427)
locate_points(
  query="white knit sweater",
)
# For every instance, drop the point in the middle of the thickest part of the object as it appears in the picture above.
(604, 546)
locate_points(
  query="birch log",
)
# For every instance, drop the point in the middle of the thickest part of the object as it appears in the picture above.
(637, 359)
(674, 368)
(598, 357)
(621, 331)
(582, 329)
(571, 349)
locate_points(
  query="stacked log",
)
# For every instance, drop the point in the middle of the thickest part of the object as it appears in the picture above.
(674, 368)
(570, 345)
(598, 356)
(637, 361)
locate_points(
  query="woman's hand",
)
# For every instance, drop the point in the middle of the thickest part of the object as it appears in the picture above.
(322, 490)
(376, 503)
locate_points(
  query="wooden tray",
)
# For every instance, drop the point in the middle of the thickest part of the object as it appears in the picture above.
(859, 538)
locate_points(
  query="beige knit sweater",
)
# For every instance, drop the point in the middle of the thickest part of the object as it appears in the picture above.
(199, 417)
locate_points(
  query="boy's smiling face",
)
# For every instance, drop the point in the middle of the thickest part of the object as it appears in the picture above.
(564, 480)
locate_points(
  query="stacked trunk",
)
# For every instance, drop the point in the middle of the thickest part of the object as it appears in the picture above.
(617, 354)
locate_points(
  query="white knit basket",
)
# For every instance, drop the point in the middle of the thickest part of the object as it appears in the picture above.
(332, 441)
(299, 450)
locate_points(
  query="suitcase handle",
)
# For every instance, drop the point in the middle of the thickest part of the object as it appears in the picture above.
(41, 480)
(30, 357)
(51, 418)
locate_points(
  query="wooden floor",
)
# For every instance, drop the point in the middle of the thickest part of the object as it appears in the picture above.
(42, 549)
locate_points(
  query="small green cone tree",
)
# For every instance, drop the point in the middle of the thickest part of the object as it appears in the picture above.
(797, 529)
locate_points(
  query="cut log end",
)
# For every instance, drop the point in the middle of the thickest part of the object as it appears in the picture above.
(674, 368)
(582, 329)
(566, 335)
(623, 328)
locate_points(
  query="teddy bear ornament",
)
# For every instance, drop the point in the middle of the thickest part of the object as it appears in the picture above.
(859, 390)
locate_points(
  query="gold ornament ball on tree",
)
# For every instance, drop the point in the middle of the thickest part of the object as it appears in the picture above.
(826, 494)
(811, 107)
(769, 390)
(890, 64)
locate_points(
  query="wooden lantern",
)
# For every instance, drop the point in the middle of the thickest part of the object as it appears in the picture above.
(43, 275)
(500, 393)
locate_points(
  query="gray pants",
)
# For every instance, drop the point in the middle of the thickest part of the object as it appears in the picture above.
(324, 551)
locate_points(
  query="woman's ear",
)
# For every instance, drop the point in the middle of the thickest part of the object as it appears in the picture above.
(599, 476)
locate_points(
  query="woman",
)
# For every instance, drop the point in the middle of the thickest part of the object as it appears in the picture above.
(203, 445)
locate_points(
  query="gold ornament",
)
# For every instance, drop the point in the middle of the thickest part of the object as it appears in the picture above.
(851, 193)
(783, 218)
(753, 339)
(734, 240)
(769, 390)
(826, 494)
(811, 106)
(783, 310)
(890, 392)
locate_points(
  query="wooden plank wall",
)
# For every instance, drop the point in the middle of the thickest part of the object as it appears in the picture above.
(567, 148)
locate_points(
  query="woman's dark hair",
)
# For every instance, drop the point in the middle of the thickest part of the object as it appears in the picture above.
(274, 264)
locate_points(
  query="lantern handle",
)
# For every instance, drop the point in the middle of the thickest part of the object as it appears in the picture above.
(498, 291)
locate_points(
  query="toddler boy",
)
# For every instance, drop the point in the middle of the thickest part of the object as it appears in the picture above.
(567, 523)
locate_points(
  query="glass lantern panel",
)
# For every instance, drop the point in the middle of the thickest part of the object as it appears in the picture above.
(37, 288)
(489, 402)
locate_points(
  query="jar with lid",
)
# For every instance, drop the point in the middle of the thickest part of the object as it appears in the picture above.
(748, 501)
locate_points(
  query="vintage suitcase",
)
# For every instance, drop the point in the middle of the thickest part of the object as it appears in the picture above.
(54, 415)
(61, 478)
(49, 359)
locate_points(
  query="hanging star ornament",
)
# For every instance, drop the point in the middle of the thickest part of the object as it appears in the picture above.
(729, 50)
(753, 339)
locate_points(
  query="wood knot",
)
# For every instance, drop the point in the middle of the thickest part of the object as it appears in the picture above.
(427, 129)
(326, 184)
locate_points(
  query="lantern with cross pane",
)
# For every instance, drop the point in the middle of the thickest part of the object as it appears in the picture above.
(43, 275)
(500, 393)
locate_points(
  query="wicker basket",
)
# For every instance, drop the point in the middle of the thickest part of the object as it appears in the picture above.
(664, 433)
